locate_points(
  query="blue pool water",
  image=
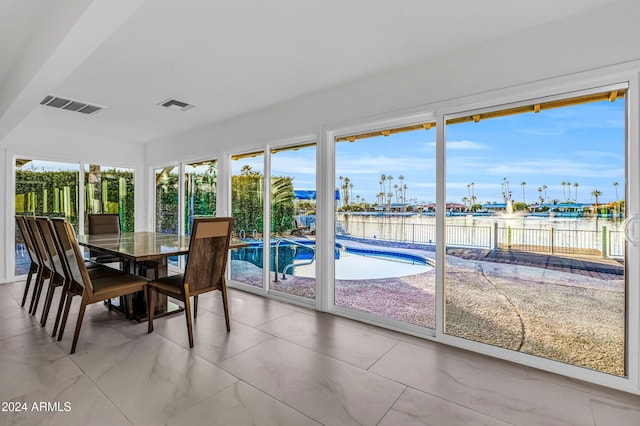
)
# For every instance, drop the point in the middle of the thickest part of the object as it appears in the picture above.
(351, 262)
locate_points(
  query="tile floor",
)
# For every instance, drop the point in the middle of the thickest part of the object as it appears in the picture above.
(280, 365)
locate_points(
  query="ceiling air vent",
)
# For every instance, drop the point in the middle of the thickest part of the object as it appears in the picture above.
(176, 105)
(62, 103)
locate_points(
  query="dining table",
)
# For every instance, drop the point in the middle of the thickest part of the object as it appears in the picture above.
(138, 250)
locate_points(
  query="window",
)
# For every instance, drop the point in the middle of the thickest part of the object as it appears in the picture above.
(535, 229)
(385, 223)
(110, 190)
(44, 188)
(293, 220)
(200, 185)
(247, 207)
(167, 200)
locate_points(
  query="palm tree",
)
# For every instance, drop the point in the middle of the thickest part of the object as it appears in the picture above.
(401, 177)
(540, 194)
(569, 188)
(564, 195)
(615, 185)
(383, 178)
(596, 194)
(396, 188)
(390, 178)
(341, 178)
(464, 201)
(523, 183)
(404, 193)
(544, 188)
(575, 185)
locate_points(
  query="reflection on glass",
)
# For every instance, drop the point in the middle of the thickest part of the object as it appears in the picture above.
(44, 188)
(535, 221)
(110, 190)
(385, 226)
(247, 203)
(293, 220)
(167, 180)
(200, 182)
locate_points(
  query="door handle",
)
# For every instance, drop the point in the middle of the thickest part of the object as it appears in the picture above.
(631, 228)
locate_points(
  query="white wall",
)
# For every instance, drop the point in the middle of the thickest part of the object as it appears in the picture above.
(58, 145)
(599, 38)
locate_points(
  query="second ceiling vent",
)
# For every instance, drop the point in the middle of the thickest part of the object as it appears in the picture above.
(70, 105)
(176, 105)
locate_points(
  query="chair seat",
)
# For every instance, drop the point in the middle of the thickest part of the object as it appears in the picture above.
(102, 271)
(172, 284)
(122, 283)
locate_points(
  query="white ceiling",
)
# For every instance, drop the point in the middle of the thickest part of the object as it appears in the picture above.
(228, 57)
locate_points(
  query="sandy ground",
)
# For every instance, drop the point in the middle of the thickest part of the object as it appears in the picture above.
(564, 316)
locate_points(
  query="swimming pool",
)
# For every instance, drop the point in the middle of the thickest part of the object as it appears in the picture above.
(351, 262)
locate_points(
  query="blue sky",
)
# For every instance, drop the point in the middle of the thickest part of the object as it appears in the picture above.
(581, 143)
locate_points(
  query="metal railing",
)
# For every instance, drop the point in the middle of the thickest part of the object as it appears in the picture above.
(291, 265)
(603, 242)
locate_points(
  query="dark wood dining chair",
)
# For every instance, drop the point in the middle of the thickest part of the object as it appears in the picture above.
(107, 223)
(63, 244)
(92, 290)
(34, 266)
(58, 274)
(204, 271)
(45, 263)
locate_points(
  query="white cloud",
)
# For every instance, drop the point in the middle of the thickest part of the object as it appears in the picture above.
(461, 145)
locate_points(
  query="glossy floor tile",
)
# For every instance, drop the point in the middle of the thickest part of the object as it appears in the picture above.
(280, 365)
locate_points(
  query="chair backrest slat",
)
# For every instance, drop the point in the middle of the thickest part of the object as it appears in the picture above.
(73, 255)
(54, 224)
(38, 243)
(28, 241)
(208, 253)
(43, 224)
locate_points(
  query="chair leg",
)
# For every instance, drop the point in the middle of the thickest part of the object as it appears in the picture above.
(47, 302)
(225, 304)
(146, 299)
(33, 268)
(63, 296)
(67, 307)
(195, 306)
(187, 312)
(150, 307)
(83, 306)
(37, 290)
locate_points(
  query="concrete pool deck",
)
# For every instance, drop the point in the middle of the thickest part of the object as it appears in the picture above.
(567, 309)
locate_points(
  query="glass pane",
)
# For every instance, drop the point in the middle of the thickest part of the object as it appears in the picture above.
(110, 190)
(535, 241)
(200, 182)
(44, 188)
(167, 200)
(293, 220)
(385, 226)
(247, 203)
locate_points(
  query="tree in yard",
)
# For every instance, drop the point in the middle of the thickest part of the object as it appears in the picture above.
(596, 193)
(523, 183)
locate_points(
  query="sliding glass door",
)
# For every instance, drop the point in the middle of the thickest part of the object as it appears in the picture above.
(385, 231)
(44, 188)
(247, 207)
(535, 246)
(293, 220)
